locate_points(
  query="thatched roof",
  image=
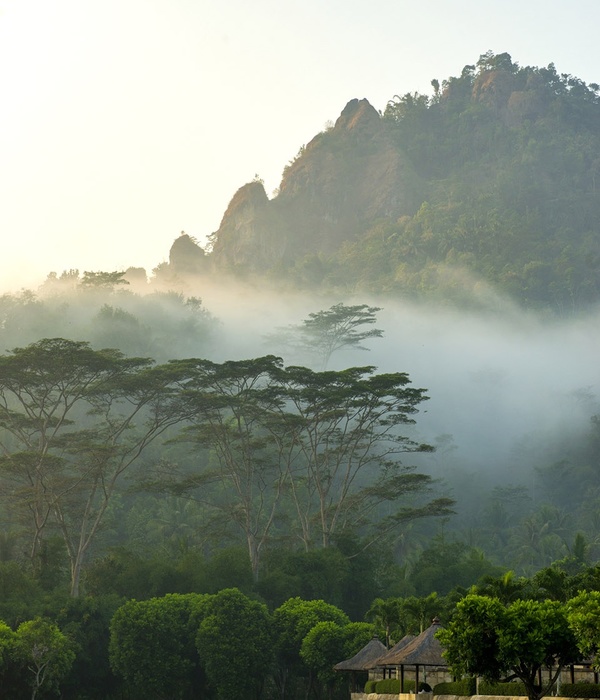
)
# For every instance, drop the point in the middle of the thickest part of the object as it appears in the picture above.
(394, 650)
(424, 650)
(364, 659)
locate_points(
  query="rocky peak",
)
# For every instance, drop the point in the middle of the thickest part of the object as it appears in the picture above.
(359, 116)
(186, 256)
(345, 176)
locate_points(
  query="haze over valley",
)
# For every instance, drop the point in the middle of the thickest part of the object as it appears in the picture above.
(485, 295)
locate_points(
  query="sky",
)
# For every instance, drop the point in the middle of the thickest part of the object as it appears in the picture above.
(125, 122)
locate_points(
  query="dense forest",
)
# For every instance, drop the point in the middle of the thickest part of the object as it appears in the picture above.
(398, 413)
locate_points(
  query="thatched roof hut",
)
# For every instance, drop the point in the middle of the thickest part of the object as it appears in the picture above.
(364, 659)
(423, 650)
(394, 651)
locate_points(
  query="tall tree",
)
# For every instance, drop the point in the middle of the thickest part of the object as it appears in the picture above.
(386, 616)
(327, 442)
(74, 420)
(325, 332)
(231, 409)
(346, 426)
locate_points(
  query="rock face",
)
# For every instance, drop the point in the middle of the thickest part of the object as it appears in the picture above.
(344, 177)
(186, 257)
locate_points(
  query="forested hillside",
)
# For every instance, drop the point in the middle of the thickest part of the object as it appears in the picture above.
(319, 411)
(492, 182)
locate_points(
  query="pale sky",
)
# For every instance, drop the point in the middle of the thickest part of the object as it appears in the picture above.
(124, 122)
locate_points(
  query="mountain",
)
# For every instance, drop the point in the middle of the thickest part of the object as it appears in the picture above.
(488, 188)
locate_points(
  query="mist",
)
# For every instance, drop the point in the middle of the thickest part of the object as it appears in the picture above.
(507, 388)
(511, 393)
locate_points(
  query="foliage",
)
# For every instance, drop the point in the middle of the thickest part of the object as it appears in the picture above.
(7, 638)
(465, 686)
(580, 690)
(86, 621)
(292, 621)
(325, 332)
(322, 647)
(584, 619)
(45, 653)
(502, 689)
(444, 565)
(162, 325)
(391, 686)
(486, 638)
(67, 476)
(234, 645)
(152, 646)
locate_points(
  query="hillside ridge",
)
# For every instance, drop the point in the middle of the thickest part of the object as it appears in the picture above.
(493, 179)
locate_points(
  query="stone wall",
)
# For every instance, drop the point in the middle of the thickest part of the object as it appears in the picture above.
(429, 696)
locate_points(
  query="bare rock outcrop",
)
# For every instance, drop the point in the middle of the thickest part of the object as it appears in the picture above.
(348, 175)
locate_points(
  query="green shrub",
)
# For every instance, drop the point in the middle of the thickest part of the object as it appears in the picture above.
(580, 690)
(486, 688)
(389, 685)
(466, 686)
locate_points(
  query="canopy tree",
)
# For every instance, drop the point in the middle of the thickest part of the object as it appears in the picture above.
(321, 448)
(325, 332)
(487, 639)
(231, 408)
(346, 428)
(73, 420)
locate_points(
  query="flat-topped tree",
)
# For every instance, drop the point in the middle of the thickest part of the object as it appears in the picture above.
(72, 421)
(325, 332)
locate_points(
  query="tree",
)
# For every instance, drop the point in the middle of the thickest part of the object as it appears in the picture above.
(487, 639)
(7, 641)
(292, 621)
(584, 618)
(234, 645)
(506, 588)
(152, 646)
(45, 652)
(74, 420)
(323, 647)
(327, 442)
(231, 409)
(325, 332)
(419, 612)
(345, 428)
(103, 280)
(386, 616)
(328, 643)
